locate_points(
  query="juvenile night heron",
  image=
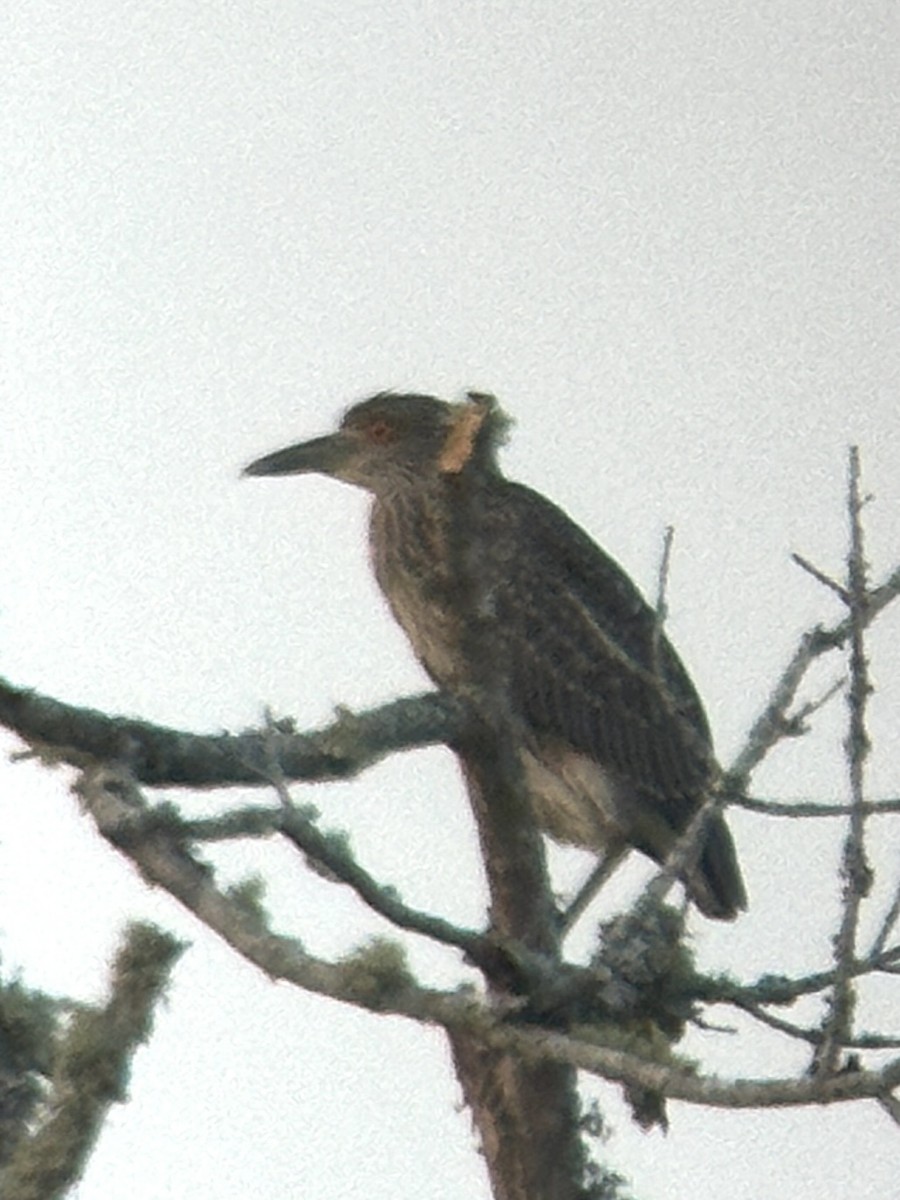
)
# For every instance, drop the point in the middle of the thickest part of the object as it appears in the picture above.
(488, 579)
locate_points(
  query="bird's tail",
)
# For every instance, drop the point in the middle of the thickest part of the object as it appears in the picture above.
(715, 883)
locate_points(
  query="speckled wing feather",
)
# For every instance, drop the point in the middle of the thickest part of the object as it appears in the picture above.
(578, 642)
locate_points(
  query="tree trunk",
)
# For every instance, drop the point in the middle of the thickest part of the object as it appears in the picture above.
(526, 1113)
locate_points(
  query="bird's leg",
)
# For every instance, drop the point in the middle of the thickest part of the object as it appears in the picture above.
(610, 859)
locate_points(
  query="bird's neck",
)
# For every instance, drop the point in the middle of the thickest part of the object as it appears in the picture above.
(411, 528)
(421, 541)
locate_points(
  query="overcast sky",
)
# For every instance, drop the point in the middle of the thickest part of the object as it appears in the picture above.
(665, 235)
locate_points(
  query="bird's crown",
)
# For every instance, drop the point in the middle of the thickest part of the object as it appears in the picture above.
(444, 434)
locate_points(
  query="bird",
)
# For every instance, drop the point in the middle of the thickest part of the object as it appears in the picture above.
(494, 585)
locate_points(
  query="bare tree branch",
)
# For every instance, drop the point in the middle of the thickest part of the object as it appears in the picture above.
(114, 802)
(774, 722)
(162, 757)
(555, 985)
(814, 1036)
(253, 821)
(813, 808)
(887, 925)
(855, 870)
(821, 577)
(331, 852)
(783, 989)
(797, 721)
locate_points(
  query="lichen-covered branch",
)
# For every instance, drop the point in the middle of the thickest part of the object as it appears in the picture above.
(550, 987)
(29, 1021)
(118, 809)
(162, 757)
(331, 852)
(91, 1069)
(783, 989)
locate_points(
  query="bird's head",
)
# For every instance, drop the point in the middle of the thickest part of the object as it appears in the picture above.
(393, 441)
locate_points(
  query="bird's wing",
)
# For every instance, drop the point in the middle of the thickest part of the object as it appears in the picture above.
(585, 662)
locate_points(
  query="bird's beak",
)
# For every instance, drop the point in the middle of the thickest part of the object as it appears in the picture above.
(324, 456)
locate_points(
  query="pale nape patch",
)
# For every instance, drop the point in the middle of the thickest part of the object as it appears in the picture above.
(460, 442)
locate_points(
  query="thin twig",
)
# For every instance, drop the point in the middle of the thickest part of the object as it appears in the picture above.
(813, 808)
(801, 715)
(855, 871)
(251, 821)
(327, 851)
(863, 1041)
(686, 847)
(887, 924)
(606, 866)
(332, 853)
(661, 609)
(813, 1036)
(795, 724)
(821, 577)
(783, 989)
(774, 723)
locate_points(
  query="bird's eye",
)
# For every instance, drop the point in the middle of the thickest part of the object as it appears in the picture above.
(379, 432)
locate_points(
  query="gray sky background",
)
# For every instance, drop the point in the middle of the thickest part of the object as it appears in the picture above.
(666, 237)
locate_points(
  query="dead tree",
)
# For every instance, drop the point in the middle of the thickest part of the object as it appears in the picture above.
(518, 1043)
